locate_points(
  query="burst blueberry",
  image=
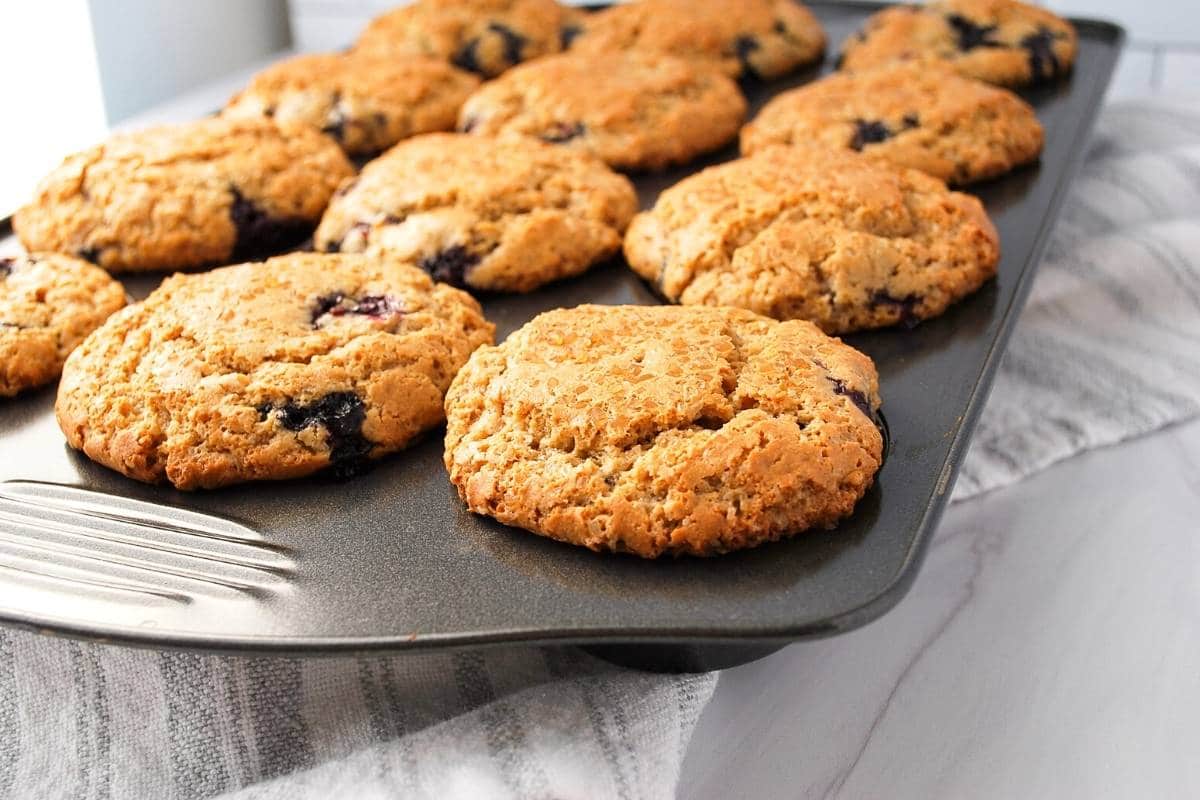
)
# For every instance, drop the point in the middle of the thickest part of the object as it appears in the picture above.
(869, 131)
(859, 399)
(337, 304)
(1043, 62)
(970, 35)
(259, 233)
(744, 47)
(341, 414)
(907, 305)
(450, 265)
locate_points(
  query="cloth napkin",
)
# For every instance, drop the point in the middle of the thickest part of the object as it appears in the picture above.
(1108, 348)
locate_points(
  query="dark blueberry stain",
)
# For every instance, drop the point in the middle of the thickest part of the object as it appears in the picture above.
(469, 124)
(1042, 61)
(259, 234)
(970, 35)
(869, 131)
(744, 47)
(860, 401)
(468, 57)
(341, 414)
(269, 111)
(563, 132)
(873, 131)
(91, 254)
(6, 267)
(450, 265)
(568, 35)
(906, 305)
(514, 42)
(375, 306)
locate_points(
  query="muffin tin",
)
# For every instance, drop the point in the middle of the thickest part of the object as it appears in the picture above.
(392, 561)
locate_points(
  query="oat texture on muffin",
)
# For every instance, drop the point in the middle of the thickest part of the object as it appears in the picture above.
(185, 196)
(366, 103)
(48, 304)
(805, 232)
(636, 111)
(749, 38)
(481, 36)
(483, 213)
(923, 116)
(1005, 42)
(267, 371)
(659, 430)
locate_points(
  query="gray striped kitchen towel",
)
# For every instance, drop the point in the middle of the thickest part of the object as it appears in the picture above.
(1109, 347)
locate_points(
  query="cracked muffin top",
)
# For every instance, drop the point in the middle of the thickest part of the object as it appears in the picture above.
(366, 103)
(751, 38)
(185, 196)
(664, 430)
(1005, 42)
(636, 111)
(804, 232)
(268, 371)
(481, 36)
(918, 115)
(48, 304)
(488, 214)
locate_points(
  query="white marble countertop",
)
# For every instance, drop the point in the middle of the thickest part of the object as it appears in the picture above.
(1050, 648)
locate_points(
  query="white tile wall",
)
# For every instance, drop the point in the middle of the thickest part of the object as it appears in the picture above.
(1163, 51)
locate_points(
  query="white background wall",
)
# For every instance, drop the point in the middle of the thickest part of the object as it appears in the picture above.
(74, 68)
(1163, 52)
(151, 50)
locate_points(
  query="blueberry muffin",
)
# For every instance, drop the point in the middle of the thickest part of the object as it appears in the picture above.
(487, 214)
(751, 38)
(999, 41)
(48, 304)
(185, 196)
(923, 116)
(637, 111)
(659, 430)
(481, 36)
(365, 103)
(268, 371)
(830, 236)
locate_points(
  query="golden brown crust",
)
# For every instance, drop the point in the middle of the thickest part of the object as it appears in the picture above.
(366, 103)
(922, 116)
(268, 371)
(185, 196)
(765, 38)
(48, 304)
(659, 429)
(634, 110)
(1005, 42)
(830, 236)
(493, 214)
(482, 36)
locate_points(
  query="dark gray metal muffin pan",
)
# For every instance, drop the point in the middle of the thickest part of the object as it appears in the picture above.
(391, 559)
